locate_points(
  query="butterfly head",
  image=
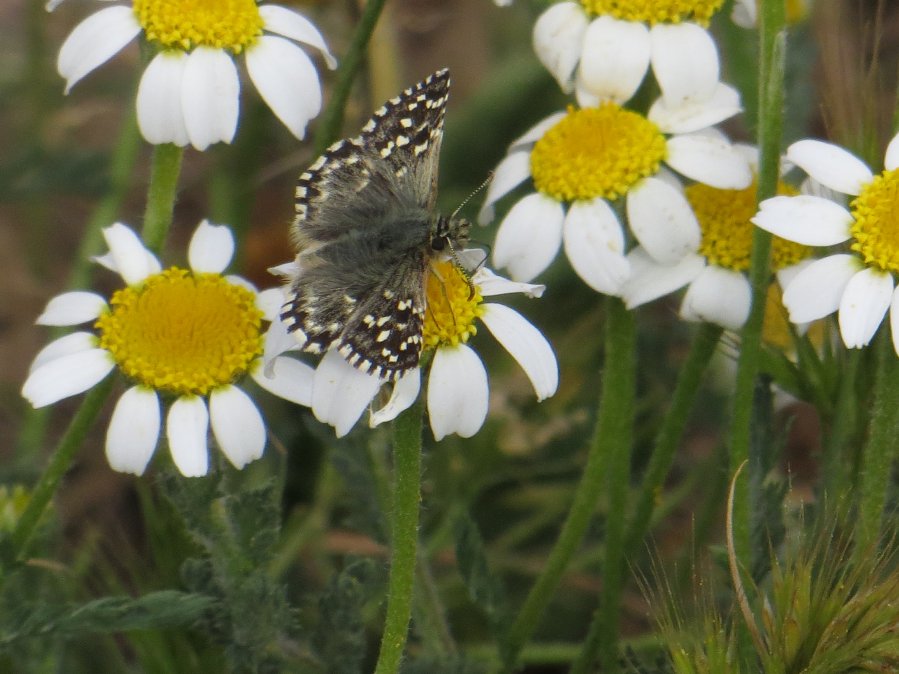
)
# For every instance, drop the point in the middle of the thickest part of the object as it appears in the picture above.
(449, 234)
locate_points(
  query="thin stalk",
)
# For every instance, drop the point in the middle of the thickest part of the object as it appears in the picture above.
(332, 119)
(836, 477)
(59, 464)
(612, 438)
(771, 96)
(879, 451)
(164, 171)
(404, 537)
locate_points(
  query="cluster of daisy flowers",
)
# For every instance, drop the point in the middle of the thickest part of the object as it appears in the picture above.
(189, 91)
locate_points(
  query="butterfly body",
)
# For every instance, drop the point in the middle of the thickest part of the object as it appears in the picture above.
(366, 232)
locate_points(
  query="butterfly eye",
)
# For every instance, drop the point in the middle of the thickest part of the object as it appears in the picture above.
(438, 243)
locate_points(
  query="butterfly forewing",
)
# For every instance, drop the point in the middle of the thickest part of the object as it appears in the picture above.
(362, 229)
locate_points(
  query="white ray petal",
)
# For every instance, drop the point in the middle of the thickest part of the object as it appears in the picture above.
(816, 291)
(237, 425)
(865, 301)
(287, 81)
(723, 103)
(513, 170)
(615, 58)
(160, 114)
(72, 308)
(211, 248)
(529, 236)
(650, 280)
(405, 392)
(341, 393)
(210, 90)
(709, 160)
(289, 379)
(66, 376)
(662, 221)
(94, 41)
(720, 296)
(685, 62)
(891, 158)
(558, 36)
(457, 392)
(805, 219)
(133, 431)
(74, 342)
(490, 285)
(526, 344)
(594, 244)
(830, 165)
(297, 27)
(537, 131)
(187, 427)
(131, 258)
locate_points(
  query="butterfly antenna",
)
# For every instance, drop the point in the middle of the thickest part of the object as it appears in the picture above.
(462, 270)
(470, 196)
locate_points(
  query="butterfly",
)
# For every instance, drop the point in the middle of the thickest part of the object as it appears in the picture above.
(366, 232)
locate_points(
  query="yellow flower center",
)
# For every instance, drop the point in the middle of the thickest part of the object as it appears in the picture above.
(181, 332)
(875, 226)
(723, 217)
(185, 24)
(453, 307)
(655, 11)
(596, 152)
(797, 10)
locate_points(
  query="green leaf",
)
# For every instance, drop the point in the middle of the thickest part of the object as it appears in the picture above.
(485, 589)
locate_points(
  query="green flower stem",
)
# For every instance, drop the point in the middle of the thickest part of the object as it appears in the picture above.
(607, 458)
(704, 344)
(771, 74)
(332, 120)
(836, 476)
(164, 171)
(404, 536)
(879, 451)
(59, 464)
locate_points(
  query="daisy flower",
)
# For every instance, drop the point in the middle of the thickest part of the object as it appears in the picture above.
(189, 90)
(718, 290)
(580, 162)
(457, 387)
(183, 338)
(603, 49)
(745, 12)
(858, 284)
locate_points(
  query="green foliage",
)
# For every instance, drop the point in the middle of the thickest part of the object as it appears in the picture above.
(485, 588)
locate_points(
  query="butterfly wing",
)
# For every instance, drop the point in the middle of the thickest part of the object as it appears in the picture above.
(363, 212)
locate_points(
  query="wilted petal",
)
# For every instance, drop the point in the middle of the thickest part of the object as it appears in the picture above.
(457, 392)
(526, 344)
(237, 425)
(186, 429)
(133, 431)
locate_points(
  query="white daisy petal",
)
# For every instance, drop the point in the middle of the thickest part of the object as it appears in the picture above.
(537, 131)
(514, 169)
(723, 103)
(744, 13)
(211, 248)
(894, 320)
(662, 220)
(289, 379)
(277, 341)
(133, 431)
(287, 81)
(405, 392)
(94, 41)
(685, 62)
(66, 376)
(187, 426)
(720, 296)
(615, 58)
(74, 342)
(709, 160)
(297, 27)
(650, 280)
(490, 285)
(526, 344)
(865, 301)
(558, 36)
(457, 392)
(891, 158)
(132, 260)
(237, 425)
(594, 244)
(340, 392)
(830, 165)
(72, 308)
(269, 302)
(811, 221)
(529, 236)
(160, 114)
(210, 89)
(815, 292)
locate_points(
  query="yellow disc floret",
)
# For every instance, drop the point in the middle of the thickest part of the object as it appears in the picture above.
(453, 306)
(185, 24)
(723, 217)
(655, 11)
(875, 226)
(596, 152)
(181, 332)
